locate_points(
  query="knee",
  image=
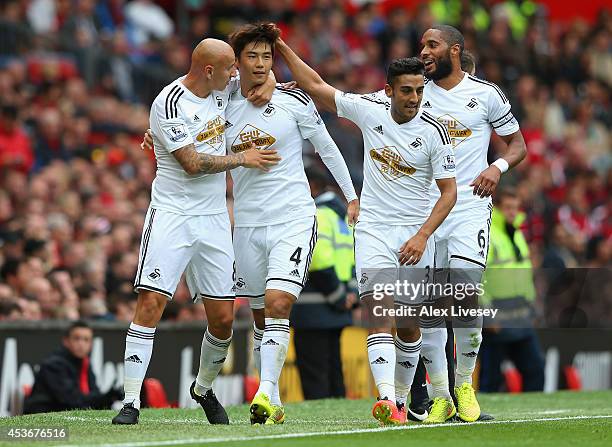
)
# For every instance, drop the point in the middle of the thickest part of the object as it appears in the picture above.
(222, 324)
(149, 308)
(409, 335)
(279, 307)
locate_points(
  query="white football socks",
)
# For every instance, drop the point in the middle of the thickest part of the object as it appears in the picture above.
(406, 361)
(381, 355)
(212, 356)
(468, 340)
(257, 337)
(138, 350)
(273, 351)
(433, 351)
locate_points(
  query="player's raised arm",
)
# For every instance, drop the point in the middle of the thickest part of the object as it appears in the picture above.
(308, 79)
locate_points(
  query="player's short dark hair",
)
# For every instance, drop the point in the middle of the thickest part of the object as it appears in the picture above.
(405, 65)
(451, 35)
(78, 324)
(468, 61)
(254, 33)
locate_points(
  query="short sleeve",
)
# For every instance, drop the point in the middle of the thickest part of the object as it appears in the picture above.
(351, 106)
(500, 113)
(442, 159)
(172, 132)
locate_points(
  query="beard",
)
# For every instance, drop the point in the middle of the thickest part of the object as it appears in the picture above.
(444, 67)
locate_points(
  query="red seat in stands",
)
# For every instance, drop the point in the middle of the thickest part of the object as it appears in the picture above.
(156, 395)
(514, 380)
(572, 378)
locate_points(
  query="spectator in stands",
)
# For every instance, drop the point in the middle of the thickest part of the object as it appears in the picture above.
(65, 380)
(71, 174)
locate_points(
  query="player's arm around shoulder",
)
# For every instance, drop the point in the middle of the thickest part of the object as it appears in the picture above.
(194, 162)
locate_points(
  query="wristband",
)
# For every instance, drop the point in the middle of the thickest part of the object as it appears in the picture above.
(501, 164)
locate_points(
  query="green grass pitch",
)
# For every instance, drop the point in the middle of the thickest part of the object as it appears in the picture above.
(559, 419)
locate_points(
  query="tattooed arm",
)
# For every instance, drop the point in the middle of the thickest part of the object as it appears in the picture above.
(194, 162)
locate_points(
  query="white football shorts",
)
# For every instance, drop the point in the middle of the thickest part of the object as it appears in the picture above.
(377, 261)
(200, 246)
(273, 257)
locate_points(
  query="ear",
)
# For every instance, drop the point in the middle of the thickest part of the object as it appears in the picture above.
(388, 90)
(455, 50)
(208, 71)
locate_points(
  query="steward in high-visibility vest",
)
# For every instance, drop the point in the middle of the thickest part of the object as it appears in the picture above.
(508, 279)
(509, 288)
(331, 273)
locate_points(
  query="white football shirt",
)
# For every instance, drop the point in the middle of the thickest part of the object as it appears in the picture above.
(400, 160)
(469, 111)
(178, 118)
(281, 194)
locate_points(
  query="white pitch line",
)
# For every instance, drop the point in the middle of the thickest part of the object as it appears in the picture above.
(205, 441)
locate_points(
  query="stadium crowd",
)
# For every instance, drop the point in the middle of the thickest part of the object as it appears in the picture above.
(77, 78)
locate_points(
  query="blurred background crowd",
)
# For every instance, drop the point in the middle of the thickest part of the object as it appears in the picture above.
(77, 78)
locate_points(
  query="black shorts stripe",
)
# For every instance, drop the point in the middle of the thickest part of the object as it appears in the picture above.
(168, 100)
(490, 84)
(366, 294)
(242, 295)
(145, 244)
(299, 92)
(313, 242)
(217, 297)
(468, 260)
(286, 280)
(295, 95)
(486, 251)
(441, 129)
(153, 289)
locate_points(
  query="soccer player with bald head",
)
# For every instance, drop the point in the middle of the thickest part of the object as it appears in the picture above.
(187, 227)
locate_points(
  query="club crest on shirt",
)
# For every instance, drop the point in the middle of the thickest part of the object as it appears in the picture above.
(213, 132)
(457, 131)
(390, 163)
(219, 101)
(472, 105)
(251, 134)
(269, 111)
